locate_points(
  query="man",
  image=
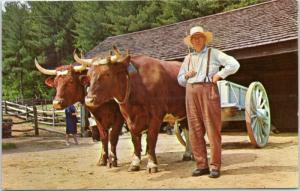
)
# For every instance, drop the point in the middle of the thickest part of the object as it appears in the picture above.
(71, 124)
(199, 73)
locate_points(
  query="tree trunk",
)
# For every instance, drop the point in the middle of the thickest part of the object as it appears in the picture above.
(21, 85)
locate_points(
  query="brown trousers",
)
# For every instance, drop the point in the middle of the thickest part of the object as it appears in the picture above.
(204, 114)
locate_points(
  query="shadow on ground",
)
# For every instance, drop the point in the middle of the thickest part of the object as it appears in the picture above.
(37, 144)
(171, 166)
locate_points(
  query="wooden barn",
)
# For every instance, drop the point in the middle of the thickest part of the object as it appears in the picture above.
(262, 37)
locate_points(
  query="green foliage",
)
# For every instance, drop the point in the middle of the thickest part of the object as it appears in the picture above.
(122, 16)
(50, 31)
(241, 3)
(90, 22)
(177, 10)
(147, 17)
(15, 49)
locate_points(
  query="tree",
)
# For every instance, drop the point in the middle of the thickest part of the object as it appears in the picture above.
(16, 52)
(147, 16)
(36, 29)
(175, 11)
(240, 3)
(51, 31)
(121, 16)
(90, 24)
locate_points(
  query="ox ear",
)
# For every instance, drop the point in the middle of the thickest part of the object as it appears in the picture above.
(84, 80)
(50, 82)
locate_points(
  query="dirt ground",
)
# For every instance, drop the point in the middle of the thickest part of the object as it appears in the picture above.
(45, 162)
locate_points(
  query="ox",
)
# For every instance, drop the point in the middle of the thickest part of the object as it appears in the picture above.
(144, 97)
(69, 90)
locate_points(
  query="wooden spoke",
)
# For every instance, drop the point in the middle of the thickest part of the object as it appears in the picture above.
(260, 94)
(263, 103)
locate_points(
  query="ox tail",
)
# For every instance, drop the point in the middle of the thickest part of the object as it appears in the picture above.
(178, 133)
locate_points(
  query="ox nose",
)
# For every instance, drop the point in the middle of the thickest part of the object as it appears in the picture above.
(57, 103)
(89, 100)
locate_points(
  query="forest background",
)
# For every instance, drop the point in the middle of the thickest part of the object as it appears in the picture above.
(50, 31)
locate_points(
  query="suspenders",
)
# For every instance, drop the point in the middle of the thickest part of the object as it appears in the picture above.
(207, 66)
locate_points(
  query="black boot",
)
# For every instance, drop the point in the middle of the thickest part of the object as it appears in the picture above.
(200, 172)
(214, 173)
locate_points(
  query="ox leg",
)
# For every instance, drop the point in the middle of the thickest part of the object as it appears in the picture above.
(114, 138)
(136, 161)
(151, 142)
(104, 140)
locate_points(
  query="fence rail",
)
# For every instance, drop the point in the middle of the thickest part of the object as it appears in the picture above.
(30, 113)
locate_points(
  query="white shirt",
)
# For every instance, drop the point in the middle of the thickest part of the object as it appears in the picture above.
(198, 62)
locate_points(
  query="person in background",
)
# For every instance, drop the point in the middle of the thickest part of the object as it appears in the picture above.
(94, 129)
(71, 124)
(200, 73)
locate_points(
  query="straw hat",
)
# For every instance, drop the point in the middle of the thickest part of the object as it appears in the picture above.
(196, 30)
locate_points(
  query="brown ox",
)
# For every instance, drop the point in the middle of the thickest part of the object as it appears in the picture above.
(69, 90)
(144, 97)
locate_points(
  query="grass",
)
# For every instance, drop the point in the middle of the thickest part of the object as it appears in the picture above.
(7, 146)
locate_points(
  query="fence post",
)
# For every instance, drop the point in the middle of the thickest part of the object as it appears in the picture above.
(5, 106)
(53, 117)
(35, 120)
(26, 110)
(82, 119)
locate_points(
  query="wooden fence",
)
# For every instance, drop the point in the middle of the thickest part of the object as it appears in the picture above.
(33, 101)
(36, 114)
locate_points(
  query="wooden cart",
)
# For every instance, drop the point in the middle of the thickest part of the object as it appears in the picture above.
(242, 104)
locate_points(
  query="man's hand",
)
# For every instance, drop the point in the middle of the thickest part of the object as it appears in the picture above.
(216, 78)
(190, 74)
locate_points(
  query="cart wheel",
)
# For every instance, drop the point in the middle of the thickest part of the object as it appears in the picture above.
(257, 114)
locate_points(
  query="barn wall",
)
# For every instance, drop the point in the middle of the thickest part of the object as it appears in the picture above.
(279, 75)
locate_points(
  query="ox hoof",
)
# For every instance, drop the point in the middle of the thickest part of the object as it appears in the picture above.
(112, 161)
(101, 163)
(133, 168)
(186, 158)
(153, 170)
(113, 164)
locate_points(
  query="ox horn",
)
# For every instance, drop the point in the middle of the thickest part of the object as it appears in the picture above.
(117, 51)
(79, 68)
(43, 70)
(82, 66)
(85, 62)
(98, 60)
(114, 58)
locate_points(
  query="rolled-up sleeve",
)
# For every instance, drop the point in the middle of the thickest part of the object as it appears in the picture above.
(231, 65)
(183, 70)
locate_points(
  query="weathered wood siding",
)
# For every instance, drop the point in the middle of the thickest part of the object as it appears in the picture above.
(279, 75)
